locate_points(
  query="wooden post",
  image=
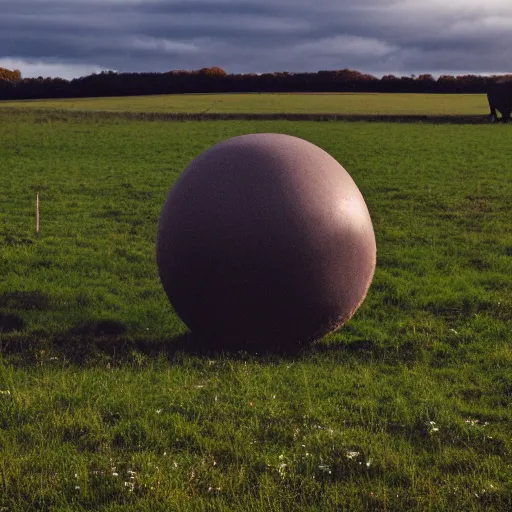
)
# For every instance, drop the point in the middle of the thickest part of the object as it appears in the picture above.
(37, 213)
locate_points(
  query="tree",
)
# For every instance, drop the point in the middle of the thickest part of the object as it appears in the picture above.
(10, 76)
(214, 71)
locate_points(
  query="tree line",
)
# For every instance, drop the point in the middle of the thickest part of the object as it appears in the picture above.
(216, 80)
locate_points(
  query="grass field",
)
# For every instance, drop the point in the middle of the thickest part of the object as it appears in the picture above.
(105, 406)
(359, 104)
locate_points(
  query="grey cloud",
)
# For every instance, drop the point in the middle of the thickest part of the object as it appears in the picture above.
(374, 36)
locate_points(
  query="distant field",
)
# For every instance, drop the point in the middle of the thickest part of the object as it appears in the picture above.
(360, 103)
(104, 407)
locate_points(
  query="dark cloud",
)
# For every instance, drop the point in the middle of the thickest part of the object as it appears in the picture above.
(75, 37)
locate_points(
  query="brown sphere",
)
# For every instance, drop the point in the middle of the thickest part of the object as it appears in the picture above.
(265, 239)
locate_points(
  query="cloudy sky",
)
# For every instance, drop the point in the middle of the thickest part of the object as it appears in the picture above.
(73, 38)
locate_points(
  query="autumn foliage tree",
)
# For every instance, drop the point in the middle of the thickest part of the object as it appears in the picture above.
(10, 76)
(214, 71)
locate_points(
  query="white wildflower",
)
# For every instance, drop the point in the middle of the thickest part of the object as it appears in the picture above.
(433, 428)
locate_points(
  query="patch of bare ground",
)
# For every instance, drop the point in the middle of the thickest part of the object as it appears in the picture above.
(55, 114)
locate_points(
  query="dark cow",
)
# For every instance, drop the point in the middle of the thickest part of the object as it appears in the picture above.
(500, 98)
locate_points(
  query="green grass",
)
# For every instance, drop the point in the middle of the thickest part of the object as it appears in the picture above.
(360, 103)
(407, 407)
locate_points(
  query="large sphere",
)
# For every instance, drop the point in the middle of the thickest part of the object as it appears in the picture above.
(266, 239)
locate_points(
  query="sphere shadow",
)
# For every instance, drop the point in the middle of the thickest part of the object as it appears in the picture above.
(203, 346)
(120, 350)
(99, 344)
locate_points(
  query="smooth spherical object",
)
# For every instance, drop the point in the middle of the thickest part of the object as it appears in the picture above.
(265, 239)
